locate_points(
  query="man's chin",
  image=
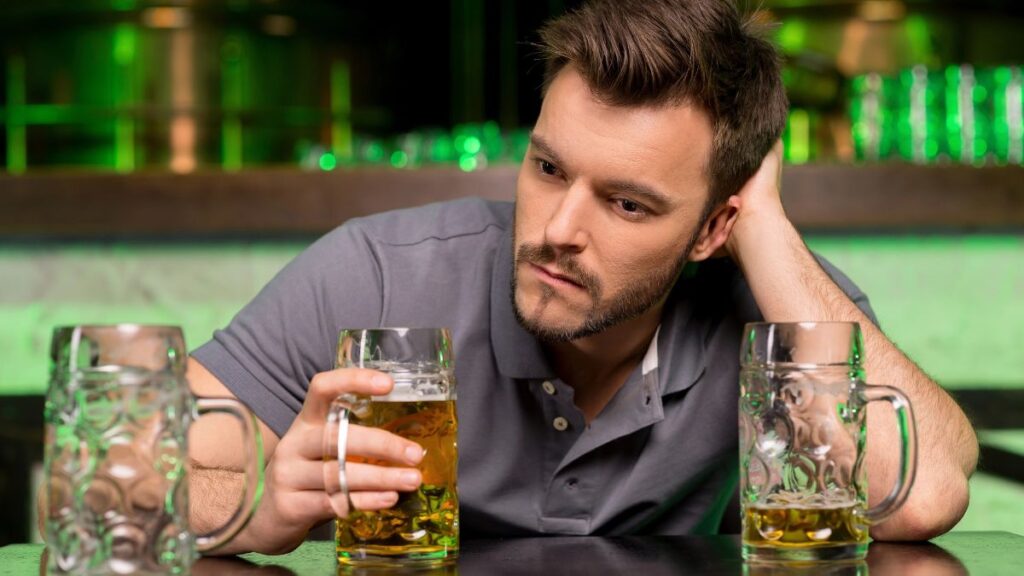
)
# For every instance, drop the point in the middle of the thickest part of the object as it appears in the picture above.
(550, 330)
(537, 321)
(548, 333)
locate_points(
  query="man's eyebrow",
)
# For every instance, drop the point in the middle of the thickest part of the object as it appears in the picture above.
(654, 198)
(640, 191)
(540, 144)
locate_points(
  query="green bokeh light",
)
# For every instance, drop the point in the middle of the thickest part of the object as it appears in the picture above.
(797, 138)
(919, 37)
(793, 35)
(399, 159)
(375, 152)
(442, 149)
(472, 145)
(328, 161)
(125, 41)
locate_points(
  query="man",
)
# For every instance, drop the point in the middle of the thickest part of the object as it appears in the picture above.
(595, 335)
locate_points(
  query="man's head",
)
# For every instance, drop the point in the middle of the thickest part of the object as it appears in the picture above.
(655, 112)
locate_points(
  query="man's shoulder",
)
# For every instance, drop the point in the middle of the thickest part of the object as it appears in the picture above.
(441, 221)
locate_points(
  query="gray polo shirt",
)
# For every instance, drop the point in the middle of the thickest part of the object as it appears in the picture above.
(661, 458)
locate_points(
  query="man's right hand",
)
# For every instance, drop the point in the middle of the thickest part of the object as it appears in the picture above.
(294, 500)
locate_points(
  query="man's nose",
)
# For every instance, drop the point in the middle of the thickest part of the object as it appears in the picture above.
(567, 227)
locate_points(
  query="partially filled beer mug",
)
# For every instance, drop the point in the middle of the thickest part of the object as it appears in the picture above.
(802, 417)
(422, 529)
(118, 409)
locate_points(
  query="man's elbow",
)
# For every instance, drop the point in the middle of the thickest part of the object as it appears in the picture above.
(42, 511)
(928, 512)
(971, 453)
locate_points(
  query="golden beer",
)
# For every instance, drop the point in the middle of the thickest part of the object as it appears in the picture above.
(795, 526)
(423, 527)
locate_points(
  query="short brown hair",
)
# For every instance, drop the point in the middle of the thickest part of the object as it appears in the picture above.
(658, 52)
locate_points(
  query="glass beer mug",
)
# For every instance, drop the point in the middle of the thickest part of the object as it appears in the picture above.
(118, 409)
(802, 418)
(422, 529)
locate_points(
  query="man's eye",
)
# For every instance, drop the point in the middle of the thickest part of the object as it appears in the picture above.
(548, 168)
(630, 209)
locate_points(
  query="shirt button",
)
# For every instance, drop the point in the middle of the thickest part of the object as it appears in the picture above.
(548, 387)
(560, 423)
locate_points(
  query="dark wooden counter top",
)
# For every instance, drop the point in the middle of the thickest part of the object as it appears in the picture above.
(275, 202)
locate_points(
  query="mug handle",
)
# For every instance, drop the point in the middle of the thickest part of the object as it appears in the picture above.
(335, 446)
(253, 471)
(908, 450)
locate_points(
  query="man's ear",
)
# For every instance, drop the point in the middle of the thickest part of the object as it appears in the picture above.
(716, 230)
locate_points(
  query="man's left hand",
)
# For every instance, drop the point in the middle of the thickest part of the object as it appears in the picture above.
(760, 210)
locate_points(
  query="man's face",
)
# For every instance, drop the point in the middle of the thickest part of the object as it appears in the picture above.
(608, 205)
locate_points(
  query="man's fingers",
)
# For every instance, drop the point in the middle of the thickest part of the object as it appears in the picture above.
(367, 501)
(326, 386)
(310, 475)
(374, 500)
(371, 486)
(364, 443)
(306, 508)
(339, 507)
(376, 444)
(371, 478)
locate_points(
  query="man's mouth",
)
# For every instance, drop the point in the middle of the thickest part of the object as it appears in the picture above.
(555, 278)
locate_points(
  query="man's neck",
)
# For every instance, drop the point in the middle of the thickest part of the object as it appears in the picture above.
(597, 366)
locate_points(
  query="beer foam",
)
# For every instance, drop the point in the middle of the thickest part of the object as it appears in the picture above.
(804, 501)
(413, 396)
(419, 387)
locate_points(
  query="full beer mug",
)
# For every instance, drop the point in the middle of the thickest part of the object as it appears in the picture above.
(422, 529)
(118, 410)
(802, 417)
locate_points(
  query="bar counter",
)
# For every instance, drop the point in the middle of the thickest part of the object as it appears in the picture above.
(259, 202)
(954, 554)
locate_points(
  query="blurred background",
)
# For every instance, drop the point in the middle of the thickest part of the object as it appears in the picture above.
(160, 160)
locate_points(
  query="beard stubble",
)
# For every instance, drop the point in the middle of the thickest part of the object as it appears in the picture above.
(634, 300)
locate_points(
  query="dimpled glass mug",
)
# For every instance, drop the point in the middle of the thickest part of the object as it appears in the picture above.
(118, 409)
(802, 417)
(422, 529)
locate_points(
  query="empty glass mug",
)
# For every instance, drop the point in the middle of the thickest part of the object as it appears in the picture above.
(118, 409)
(422, 529)
(802, 418)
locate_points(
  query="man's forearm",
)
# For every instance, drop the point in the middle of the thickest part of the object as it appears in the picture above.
(214, 495)
(789, 285)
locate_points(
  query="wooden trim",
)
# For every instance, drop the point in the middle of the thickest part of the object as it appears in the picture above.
(253, 203)
(895, 197)
(256, 202)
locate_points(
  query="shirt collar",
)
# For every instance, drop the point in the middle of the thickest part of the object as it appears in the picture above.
(650, 361)
(681, 342)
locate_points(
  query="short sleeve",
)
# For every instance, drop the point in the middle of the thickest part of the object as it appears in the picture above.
(272, 348)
